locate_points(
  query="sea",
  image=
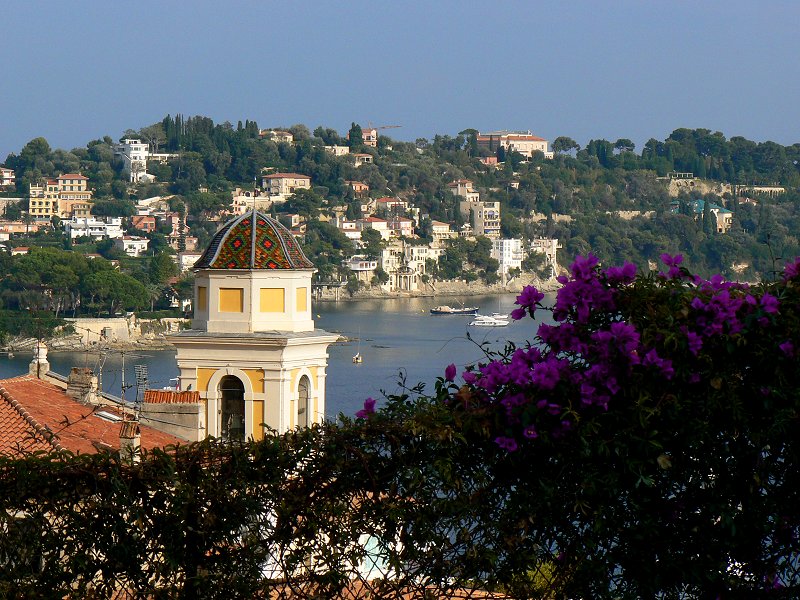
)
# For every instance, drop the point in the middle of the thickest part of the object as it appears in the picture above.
(401, 343)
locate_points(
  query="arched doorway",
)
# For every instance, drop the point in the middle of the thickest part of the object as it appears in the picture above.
(231, 425)
(302, 402)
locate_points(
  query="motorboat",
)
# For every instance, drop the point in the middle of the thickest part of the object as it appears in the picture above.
(357, 358)
(489, 321)
(449, 310)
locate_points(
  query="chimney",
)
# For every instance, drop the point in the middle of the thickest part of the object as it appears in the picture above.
(130, 442)
(39, 365)
(82, 385)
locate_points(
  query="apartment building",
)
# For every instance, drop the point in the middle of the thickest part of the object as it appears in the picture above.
(509, 253)
(523, 142)
(59, 196)
(279, 186)
(7, 178)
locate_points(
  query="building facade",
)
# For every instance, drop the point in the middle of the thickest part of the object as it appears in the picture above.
(279, 186)
(523, 142)
(253, 353)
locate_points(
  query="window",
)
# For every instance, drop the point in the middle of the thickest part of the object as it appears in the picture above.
(272, 300)
(231, 300)
(302, 402)
(301, 304)
(202, 297)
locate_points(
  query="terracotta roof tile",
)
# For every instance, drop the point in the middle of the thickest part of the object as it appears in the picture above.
(171, 397)
(74, 426)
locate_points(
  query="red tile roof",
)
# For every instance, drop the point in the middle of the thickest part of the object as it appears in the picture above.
(171, 397)
(37, 415)
(72, 176)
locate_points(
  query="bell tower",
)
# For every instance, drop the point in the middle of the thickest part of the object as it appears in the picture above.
(253, 353)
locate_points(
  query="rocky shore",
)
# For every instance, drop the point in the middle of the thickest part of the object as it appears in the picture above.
(446, 288)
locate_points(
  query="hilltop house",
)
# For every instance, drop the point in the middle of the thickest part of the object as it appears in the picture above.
(134, 155)
(523, 142)
(723, 218)
(279, 186)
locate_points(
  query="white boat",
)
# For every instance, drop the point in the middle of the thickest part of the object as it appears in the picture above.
(357, 358)
(489, 321)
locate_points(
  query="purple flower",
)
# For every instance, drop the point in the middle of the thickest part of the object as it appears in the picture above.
(530, 432)
(624, 274)
(792, 270)
(653, 359)
(695, 341)
(469, 377)
(369, 409)
(671, 261)
(506, 443)
(450, 372)
(787, 348)
(769, 304)
(528, 299)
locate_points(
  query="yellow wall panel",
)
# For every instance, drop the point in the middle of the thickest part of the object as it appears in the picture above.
(231, 300)
(202, 297)
(203, 375)
(272, 300)
(256, 377)
(302, 299)
(258, 419)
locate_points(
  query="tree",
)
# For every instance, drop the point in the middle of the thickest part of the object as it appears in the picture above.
(564, 144)
(162, 268)
(373, 242)
(355, 137)
(624, 145)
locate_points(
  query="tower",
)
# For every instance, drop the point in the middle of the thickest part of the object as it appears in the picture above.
(252, 352)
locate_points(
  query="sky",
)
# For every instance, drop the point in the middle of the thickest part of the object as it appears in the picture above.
(76, 71)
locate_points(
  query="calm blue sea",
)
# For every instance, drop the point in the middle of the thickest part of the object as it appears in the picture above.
(397, 338)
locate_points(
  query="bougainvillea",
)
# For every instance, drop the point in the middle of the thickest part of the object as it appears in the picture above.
(576, 368)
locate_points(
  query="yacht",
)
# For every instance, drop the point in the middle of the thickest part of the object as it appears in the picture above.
(490, 321)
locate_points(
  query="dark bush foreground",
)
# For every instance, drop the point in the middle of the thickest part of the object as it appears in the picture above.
(646, 446)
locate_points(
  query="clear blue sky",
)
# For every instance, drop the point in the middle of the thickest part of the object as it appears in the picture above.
(77, 70)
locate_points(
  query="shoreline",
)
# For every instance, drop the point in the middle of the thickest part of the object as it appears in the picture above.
(446, 289)
(158, 341)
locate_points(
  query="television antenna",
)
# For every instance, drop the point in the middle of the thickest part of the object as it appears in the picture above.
(141, 382)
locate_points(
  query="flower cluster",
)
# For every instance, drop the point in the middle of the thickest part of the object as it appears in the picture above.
(577, 367)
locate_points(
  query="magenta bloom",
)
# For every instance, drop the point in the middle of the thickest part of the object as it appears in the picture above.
(528, 299)
(792, 269)
(530, 432)
(787, 348)
(623, 274)
(506, 443)
(450, 372)
(769, 304)
(369, 409)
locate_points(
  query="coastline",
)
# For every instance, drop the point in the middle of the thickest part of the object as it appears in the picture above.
(445, 288)
(154, 336)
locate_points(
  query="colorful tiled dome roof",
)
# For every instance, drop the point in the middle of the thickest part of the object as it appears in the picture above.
(253, 241)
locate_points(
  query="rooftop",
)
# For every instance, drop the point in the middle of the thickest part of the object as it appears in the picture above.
(38, 415)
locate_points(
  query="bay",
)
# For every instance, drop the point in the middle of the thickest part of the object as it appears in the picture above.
(396, 337)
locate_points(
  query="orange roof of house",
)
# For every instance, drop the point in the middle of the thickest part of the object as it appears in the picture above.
(72, 176)
(388, 200)
(38, 415)
(171, 397)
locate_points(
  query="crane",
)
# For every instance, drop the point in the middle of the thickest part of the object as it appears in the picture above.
(369, 124)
